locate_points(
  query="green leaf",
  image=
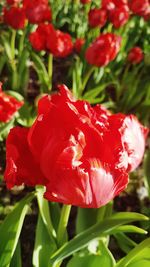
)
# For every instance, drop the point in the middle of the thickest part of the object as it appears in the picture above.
(137, 255)
(26, 115)
(140, 263)
(97, 100)
(23, 71)
(2, 61)
(96, 231)
(16, 260)
(45, 212)
(44, 247)
(124, 242)
(104, 251)
(85, 219)
(10, 230)
(15, 94)
(89, 261)
(5, 128)
(39, 63)
(40, 69)
(104, 258)
(88, 217)
(98, 74)
(7, 47)
(93, 93)
(23, 62)
(76, 71)
(55, 214)
(129, 229)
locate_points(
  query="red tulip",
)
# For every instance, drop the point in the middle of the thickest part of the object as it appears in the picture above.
(97, 17)
(37, 11)
(139, 7)
(79, 44)
(118, 11)
(103, 50)
(59, 44)
(112, 4)
(49, 39)
(80, 153)
(85, 1)
(147, 15)
(8, 106)
(15, 17)
(108, 4)
(135, 55)
(38, 39)
(119, 16)
(13, 2)
(119, 3)
(21, 166)
(132, 135)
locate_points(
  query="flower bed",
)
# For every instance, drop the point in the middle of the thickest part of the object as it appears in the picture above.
(74, 127)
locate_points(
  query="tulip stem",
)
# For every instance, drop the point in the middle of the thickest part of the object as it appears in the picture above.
(104, 211)
(65, 212)
(45, 211)
(14, 80)
(50, 70)
(13, 40)
(86, 78)
(21, 43)
(12, 62)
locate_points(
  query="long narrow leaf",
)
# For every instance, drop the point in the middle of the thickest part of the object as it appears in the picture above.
(140, 252)
(16, 260)
(124, 242)
(99, 229)
(44, 245)
(10, 230)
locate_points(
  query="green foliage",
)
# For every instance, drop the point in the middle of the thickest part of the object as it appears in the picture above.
(16, 260)
(5, 128)
(103, 258)
(10, 230)
(98, 230)
(121, 87)
(44, 245)
(139, 256)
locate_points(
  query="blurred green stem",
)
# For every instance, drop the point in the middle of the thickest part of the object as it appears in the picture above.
(125, 73)
(76, 77)
(13, 40)
(76, 2)
(14, 79)
(86, 78)
(50, 70)
(87, 8)
(67, 4)
(21, 43)
(13, 62)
